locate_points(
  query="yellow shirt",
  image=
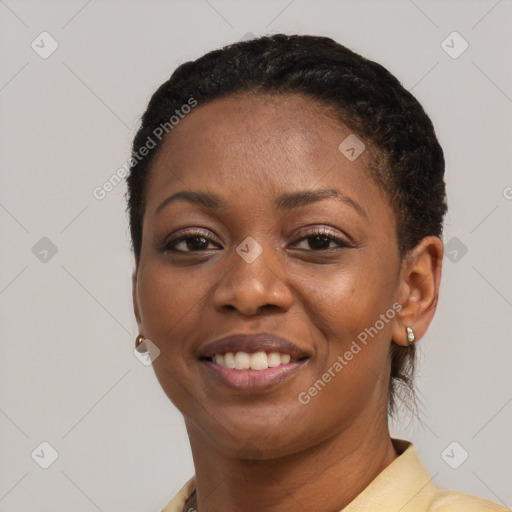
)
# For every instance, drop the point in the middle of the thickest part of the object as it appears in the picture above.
(404, 486)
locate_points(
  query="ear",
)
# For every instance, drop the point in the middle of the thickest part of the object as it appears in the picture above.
(418, 293)
(135, 300)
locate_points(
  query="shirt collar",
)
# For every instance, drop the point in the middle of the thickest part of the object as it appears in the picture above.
(403, 486)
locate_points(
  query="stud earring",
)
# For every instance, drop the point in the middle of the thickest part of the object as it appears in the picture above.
(410, 335)
(138, 340)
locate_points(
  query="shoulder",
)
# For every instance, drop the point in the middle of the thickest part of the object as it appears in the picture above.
(454, 501)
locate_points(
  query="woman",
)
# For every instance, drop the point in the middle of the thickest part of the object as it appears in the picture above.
(286, 202)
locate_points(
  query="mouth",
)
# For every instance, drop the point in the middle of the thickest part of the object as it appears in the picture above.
(250, 363)
(256, 361)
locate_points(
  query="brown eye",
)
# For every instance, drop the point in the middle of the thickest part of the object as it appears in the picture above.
(192, 241)
(321, 240)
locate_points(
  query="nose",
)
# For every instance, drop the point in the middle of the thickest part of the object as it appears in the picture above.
(252, 286)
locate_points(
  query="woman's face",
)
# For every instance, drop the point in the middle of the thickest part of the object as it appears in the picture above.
(320, 271)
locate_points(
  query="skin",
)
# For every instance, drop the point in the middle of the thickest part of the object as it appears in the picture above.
(267, 451)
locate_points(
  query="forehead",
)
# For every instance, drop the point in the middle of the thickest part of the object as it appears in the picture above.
(252, 123)
(259, 143)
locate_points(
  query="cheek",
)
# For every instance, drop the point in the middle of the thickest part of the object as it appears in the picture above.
(171, 306)
(170, 303)
(352, 309)
(351, 370)
(345, 301)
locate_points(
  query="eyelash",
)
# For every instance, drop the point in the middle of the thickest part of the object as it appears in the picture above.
(170, 245)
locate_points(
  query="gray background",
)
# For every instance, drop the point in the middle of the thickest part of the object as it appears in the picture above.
(67, 372)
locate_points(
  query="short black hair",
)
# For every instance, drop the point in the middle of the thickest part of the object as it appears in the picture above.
(407, 159)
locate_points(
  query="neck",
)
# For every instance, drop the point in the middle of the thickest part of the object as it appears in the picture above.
(327, 476)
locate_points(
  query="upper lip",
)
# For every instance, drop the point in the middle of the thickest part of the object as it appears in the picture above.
(259, 342)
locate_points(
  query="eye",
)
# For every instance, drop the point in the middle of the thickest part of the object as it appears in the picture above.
(189, 241)
(200, 241)
(321, 240)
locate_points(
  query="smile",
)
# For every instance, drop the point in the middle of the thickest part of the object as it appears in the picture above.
(248, 380)
(257, 361)
(251, 362)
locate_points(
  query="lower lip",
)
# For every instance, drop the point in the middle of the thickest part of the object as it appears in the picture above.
(252, 380)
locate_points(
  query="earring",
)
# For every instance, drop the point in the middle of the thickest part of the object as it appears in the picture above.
(138, 340)
(410, 335)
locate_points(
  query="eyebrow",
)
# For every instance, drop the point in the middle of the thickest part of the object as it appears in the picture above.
(285, 202)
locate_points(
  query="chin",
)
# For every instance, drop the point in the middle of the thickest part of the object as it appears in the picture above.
(253, 441)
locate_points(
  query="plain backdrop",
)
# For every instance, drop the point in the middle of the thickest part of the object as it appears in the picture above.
(68, 376)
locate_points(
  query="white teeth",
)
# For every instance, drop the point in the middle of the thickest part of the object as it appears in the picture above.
(229, 360)
(254, 361)
(242, 361)
(274, 359)
(259, 361)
